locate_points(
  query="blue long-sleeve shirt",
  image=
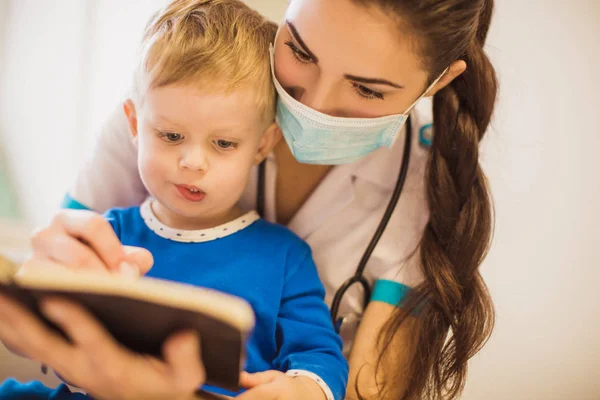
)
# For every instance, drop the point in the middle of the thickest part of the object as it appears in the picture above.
(271, 268)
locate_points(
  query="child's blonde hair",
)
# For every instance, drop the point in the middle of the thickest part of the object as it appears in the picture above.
(216, 44)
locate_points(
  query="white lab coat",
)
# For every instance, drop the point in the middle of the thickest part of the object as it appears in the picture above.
(338, 220)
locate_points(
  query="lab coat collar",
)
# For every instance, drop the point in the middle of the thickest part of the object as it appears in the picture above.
(382, 166)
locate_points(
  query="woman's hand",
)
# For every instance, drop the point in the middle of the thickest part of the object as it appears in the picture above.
(84, 239)
(93, 361)
(275, 385)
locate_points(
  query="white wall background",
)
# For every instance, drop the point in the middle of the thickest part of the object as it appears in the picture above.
(542, 160)
(66, 64)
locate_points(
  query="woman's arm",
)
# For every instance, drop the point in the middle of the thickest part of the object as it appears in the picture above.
(364, 356)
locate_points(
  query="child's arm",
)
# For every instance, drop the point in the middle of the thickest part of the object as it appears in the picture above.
(309, 348)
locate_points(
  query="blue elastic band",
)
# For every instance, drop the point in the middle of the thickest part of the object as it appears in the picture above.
(69, 202)
(389, 292)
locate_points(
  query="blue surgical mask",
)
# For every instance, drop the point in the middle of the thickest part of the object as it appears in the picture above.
(317, 138)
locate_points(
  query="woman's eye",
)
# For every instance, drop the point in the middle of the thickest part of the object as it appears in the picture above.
(225, 144)
(171, 137)
(367, 93)
(299, 54)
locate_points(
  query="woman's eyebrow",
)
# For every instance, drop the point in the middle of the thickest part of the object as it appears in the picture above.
(298, 38)
(372, 80)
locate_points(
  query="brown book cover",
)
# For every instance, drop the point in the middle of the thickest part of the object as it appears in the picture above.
(141, 313)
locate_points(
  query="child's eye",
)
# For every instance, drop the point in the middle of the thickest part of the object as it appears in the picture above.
(171, 137)
(299, 54)
(225, 144)
(367, 93)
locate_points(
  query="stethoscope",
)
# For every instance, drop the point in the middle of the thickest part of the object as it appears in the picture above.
(358, 276)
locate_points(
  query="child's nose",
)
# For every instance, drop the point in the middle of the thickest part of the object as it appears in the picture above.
(194, 159)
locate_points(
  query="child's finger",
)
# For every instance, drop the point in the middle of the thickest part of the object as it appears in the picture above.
(248, 380)
(261, 392)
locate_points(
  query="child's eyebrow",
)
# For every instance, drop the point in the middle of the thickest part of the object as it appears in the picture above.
(233, 132)
(157, 119)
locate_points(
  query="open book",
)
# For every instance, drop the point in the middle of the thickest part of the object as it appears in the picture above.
(142, 313)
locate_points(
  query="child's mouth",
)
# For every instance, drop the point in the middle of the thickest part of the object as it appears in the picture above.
(191, 193)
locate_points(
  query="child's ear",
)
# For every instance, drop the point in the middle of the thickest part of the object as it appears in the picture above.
(130, 113)
(270, 138)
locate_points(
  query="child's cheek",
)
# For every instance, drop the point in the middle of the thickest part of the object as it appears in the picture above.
(152, 161)
(235, 176)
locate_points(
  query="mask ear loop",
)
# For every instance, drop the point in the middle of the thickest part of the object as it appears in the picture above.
(410, 108)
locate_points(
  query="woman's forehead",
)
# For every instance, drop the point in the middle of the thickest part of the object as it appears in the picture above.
(354, 39)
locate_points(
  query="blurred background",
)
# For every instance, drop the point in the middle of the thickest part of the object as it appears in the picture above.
(66, 64)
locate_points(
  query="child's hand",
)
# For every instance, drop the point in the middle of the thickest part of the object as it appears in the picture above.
(275, 385)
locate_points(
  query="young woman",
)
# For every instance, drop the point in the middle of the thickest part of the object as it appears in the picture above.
(330, 182)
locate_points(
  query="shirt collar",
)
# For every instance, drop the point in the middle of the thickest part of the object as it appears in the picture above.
(194, 236)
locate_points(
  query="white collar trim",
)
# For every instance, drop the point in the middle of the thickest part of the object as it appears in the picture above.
(190, 236)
